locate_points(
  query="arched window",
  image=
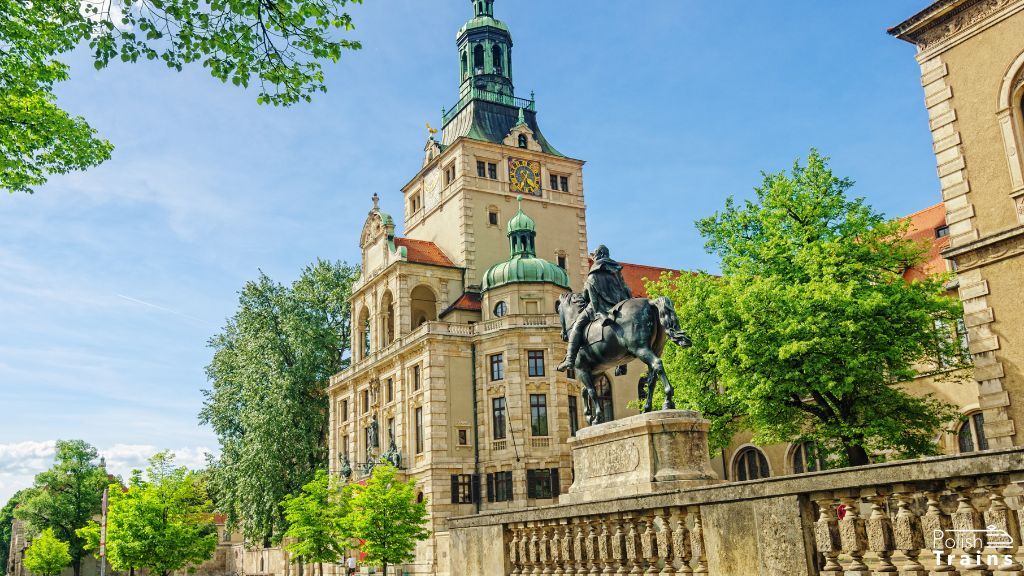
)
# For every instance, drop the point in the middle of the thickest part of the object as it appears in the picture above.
(465, 65)
(388, 318)
(971, 435)
(522, 141)
(423, 305)
(496, 59)
(363, 333)
(807, 458)
(750, 464)
(478, 59)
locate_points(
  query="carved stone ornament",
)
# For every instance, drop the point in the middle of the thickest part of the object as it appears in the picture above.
(1011, 246)
(959, 20)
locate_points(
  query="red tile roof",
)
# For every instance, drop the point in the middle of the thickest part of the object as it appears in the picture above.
(635, 274)
(424, 252)
(923, 226)
(470, 301)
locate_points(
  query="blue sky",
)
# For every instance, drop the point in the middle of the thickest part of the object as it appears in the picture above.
(111, 281)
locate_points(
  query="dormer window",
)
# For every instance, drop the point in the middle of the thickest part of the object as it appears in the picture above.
(523, 142)
(942, 231)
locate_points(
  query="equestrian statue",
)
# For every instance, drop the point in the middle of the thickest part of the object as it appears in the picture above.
(605, 327)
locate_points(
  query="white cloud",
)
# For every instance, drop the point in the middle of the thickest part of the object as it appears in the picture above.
(21, 461)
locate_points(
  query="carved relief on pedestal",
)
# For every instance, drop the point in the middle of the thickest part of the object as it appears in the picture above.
(618, 458)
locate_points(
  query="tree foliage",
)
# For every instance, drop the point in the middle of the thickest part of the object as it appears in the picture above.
(67, 496)
(281, 45)
(385, 515)
(316, 521)
(6, 523)
(267, 403)
(47, 555)
(811, 328)
(161, 523)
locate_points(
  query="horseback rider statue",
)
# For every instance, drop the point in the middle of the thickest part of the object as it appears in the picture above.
(603, 289)
(606, 327)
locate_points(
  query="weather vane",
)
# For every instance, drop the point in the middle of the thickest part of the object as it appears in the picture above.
(431, 130)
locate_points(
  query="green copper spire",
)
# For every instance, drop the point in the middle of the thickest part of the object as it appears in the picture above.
(523, 264)
(483, 8)
(485, 52)
(522, 117)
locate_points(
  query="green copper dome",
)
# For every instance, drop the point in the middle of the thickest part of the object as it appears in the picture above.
(521, 222)
(523, 264)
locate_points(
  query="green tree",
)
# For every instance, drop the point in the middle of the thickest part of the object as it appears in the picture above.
(161, 523)
(315, 521)
(281, 45)
(267, 403)
(385, 515)
(47, 555)
(811, 329)
(67, 496)
(6, 523)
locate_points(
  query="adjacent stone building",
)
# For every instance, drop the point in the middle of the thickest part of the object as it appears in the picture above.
(971, 54)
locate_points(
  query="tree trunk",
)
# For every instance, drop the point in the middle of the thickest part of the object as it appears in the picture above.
(321, 569)
(385, 569)
(78, 567)
(856, 454)
(301, 566)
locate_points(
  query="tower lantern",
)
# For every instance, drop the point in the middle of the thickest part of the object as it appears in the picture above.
(485, 53)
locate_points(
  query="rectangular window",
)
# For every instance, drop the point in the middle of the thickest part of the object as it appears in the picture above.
(419, 430)
(492, 218)
(481, 169)
(465, 488)
(542, 483)
(366, 401)
(416, 377)
(497, 367)
(391, 390)
(492, 171)
(344, 410)
(574, 416)
(965, 339)
(498, 417)
(564, 182)
(463, 437)
(449, 175)
(554, 182)
(538, 415)
(499, 487)
(942, 231)
(535, 363)
(561, 261)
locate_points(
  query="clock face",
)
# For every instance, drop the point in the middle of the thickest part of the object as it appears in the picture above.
(432, 189)
(524, 176)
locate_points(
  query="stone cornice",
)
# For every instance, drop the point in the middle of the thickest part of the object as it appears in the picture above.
(988, 250)
(947, 22)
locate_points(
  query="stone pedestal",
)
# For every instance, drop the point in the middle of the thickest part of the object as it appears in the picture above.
(643, 454)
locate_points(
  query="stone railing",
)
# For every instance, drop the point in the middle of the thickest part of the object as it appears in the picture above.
(919, 517)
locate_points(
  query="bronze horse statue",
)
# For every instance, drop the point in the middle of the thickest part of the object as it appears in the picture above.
(635, 328)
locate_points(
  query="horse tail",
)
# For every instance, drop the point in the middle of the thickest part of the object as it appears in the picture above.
(670, 322)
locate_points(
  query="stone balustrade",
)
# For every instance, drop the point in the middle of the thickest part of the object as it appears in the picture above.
(949, 515)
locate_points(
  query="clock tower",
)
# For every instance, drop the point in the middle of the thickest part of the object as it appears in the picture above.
(492, 150)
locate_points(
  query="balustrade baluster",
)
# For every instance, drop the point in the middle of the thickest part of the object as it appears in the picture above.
(593, 548)
(633, 547)
(649, 539)
(665, 544)
(908, 536)
(619, 547)
(525, 557)
(1002, 518)
(604, 548)
(554, 542)
(681, 541)
(697, 543)
(546, 568)
(580, 549)
(538, 569)
(854, 537)
(937, 527)
(513, 552)
(826, 534)
(880, 536)
(566, 553)
(969, 525)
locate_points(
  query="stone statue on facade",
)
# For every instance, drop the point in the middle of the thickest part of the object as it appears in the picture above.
(605, 327)
(346, 467)
(392, 456)
(373, 437)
